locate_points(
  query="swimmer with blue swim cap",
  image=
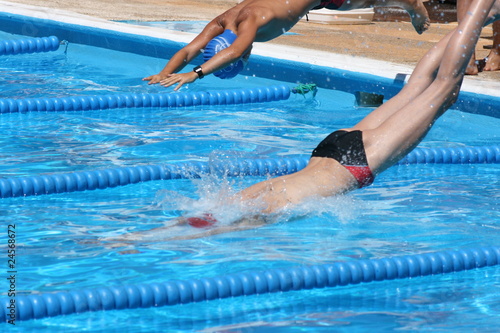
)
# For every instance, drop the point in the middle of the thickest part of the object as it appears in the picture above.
(220, 43)
(227, 40)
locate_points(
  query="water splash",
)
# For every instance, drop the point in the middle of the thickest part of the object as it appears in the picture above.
(218, 196)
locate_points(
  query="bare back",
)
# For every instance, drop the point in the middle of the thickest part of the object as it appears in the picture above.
(270, 18)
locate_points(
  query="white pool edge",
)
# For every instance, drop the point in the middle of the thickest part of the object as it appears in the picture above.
(296, 54)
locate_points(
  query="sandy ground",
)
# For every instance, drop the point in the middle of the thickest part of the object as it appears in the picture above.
(390, 37)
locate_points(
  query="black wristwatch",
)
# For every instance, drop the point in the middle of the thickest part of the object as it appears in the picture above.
(199, 71)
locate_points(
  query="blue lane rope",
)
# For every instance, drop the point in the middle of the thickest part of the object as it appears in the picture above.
(453, 155)
(113, 177)
(29, 45)
(146, 100)
(247, 283)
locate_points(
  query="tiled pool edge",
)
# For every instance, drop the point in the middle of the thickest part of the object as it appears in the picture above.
(114, 35)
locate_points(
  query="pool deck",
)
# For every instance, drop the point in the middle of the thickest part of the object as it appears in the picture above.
(379, 48)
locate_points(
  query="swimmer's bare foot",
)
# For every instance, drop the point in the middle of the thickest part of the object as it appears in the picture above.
(472, 68)
(419, 16)
(492, 61)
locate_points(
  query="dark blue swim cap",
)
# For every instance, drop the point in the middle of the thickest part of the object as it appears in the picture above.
(219, 43)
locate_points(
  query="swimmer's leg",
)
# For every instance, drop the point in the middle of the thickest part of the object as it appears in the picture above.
(415, 8)
(403, 130)
(462, 7)
(421, 78)
(493, 59)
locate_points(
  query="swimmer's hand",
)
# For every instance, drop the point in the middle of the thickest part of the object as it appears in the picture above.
(179, 79)
(155, 78)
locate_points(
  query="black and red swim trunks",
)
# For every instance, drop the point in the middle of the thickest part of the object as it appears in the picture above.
(347, 148)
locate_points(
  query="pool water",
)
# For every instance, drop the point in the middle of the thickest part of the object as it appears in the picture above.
(71, 241)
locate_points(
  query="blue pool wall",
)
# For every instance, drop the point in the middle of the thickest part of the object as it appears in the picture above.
(260, 66)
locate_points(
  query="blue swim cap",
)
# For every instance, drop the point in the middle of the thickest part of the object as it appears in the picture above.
(219, 43)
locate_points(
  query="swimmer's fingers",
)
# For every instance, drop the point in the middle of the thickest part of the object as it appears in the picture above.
(178, 86)
(170, 80)
(179, 79)
(153, 78)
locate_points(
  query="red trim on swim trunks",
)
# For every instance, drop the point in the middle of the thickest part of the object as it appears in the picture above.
(205, 221)
(363, 174)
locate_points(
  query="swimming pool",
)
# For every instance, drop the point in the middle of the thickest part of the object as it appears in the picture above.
(411, 209)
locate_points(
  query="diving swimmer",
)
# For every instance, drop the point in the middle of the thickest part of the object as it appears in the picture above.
(351, 158)
(234, 31)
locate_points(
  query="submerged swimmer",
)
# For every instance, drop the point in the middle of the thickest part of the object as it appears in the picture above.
(204, 225)
(234, 32)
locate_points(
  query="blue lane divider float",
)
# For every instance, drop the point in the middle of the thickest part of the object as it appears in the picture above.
(147, 100)
(113, 177)
(29, 45)
(247, 283)
(453, 155)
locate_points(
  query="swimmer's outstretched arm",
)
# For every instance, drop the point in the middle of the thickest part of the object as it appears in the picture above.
(181, 230)
(185, 55)
(245, 223)
(247, 31)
